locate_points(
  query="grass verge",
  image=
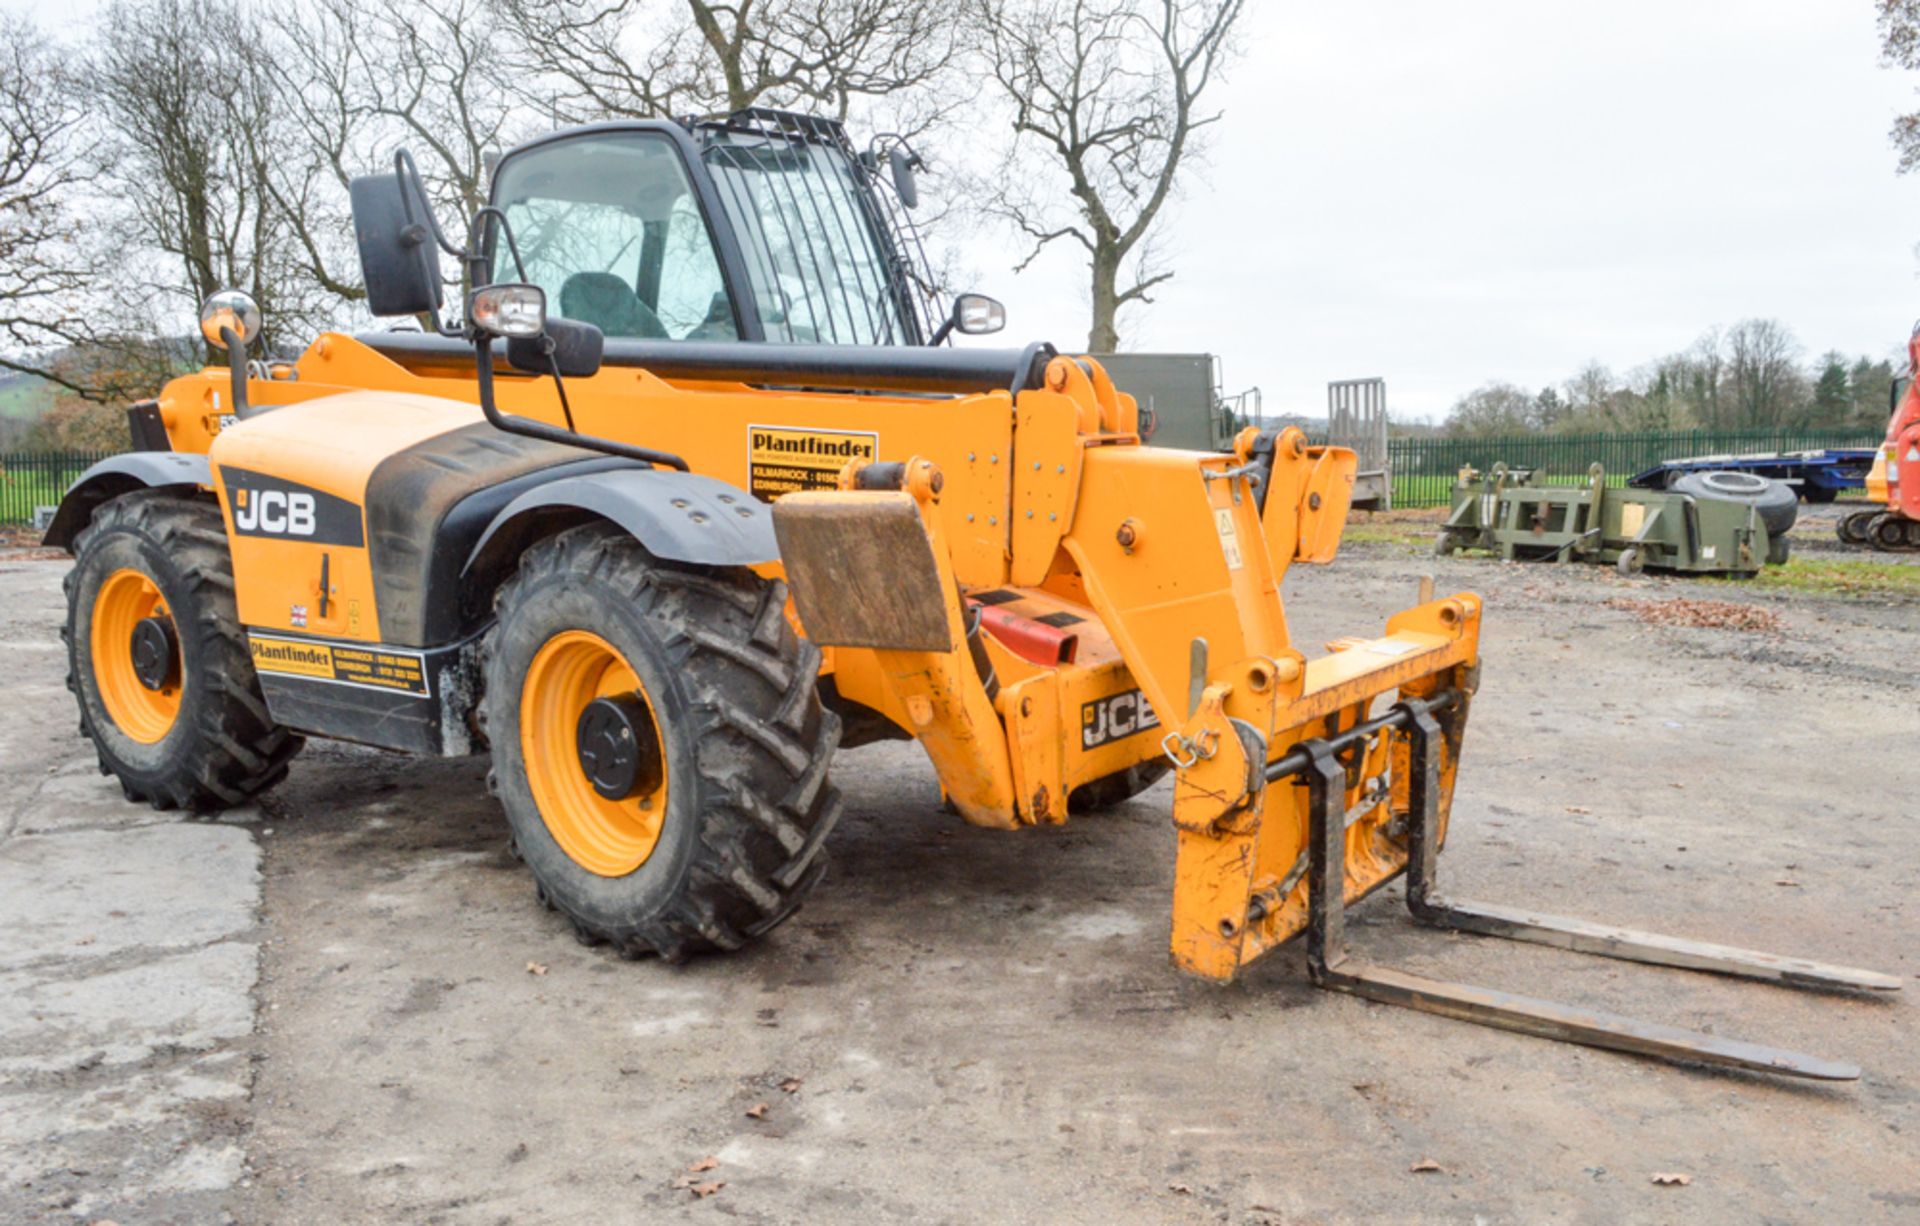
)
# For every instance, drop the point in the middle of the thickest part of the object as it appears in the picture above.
(1838, 578)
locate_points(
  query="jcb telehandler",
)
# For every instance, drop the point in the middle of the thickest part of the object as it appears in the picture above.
(661, 552)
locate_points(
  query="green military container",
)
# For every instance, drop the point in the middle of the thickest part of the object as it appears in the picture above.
(1513, 513)
(1179, 394)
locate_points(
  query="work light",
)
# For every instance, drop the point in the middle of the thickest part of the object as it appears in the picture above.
(509, 310)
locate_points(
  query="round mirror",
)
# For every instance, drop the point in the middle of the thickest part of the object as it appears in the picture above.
(230, 309)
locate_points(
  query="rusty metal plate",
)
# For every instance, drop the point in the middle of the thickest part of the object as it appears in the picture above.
(862, 571)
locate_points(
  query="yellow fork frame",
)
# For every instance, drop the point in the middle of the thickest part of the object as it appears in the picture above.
(1173, 554)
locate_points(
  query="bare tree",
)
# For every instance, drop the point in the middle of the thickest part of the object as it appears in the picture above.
(1109, 92)
(369, 78)
(1900, 48)
(601, 58)
(1495, 409)
(191, 128)
(1763, 364)
(45, 276)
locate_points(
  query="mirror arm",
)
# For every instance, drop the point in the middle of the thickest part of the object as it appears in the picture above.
(237, 372)
(526, 427)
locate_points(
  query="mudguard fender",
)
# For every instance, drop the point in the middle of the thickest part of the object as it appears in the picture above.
(680, 517)
(120, 474)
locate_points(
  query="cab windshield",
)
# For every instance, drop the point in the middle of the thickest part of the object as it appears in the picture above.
(609, 226)
(818, 269)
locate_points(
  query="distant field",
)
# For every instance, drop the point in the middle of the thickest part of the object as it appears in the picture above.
(23, 397)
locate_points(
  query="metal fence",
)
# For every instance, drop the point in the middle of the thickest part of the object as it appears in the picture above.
(31, 479)
(1424, 468)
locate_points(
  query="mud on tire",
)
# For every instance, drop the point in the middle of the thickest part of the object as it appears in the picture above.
(746, 743)
(222, 748)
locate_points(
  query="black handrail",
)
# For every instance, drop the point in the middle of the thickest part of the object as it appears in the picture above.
(896, 368)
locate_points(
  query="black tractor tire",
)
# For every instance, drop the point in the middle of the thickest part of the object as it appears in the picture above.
(1818, 495)
(222, 747)
(1776, 502)
(1118, 788)
(745, 743)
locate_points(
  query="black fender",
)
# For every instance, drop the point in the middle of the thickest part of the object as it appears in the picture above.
(680, 517)
(120, 474)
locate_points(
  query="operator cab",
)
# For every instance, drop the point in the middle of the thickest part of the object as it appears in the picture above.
(763, 226)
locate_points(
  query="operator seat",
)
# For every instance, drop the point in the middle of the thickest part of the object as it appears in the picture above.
(609, 304)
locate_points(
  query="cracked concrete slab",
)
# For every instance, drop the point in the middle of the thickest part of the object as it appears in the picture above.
(91, 894)
(128, 960)
(57, 1017)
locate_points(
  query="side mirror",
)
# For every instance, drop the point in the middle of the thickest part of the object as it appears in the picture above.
(573, 347)
(972, 315)
(399, 259)
(900, 162)
(230, 320)
(978, 315)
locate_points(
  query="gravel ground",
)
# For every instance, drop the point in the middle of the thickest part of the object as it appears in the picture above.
(969, 1025)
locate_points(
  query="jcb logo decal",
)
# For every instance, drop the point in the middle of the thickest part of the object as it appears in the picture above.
(1121, 715)
(274, 512)
(286, 510)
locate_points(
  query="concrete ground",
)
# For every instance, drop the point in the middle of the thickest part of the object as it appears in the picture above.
(345, 1006)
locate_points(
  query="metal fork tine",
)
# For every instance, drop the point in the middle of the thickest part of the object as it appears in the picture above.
(1327, 962)
(1518, 924)
(1571, 1024)
(1605, 940)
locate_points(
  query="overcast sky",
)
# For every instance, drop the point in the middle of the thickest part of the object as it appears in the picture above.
(1448, 193)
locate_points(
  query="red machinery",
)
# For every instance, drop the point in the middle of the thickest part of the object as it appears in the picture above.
(1894, 483)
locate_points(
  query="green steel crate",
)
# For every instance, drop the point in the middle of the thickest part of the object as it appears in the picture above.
(1508, 512)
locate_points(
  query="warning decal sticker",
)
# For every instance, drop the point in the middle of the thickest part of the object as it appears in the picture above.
(1229, 538)
(375, 668)
(782, 459)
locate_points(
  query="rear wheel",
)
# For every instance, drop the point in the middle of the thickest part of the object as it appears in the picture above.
(1117, 788)
(658, 745)
(158, 662)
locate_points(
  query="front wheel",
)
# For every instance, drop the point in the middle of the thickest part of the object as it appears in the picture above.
(158, 662)
(658, 745)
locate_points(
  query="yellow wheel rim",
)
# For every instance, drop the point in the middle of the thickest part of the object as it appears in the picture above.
(609, 838)
(124, 600)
